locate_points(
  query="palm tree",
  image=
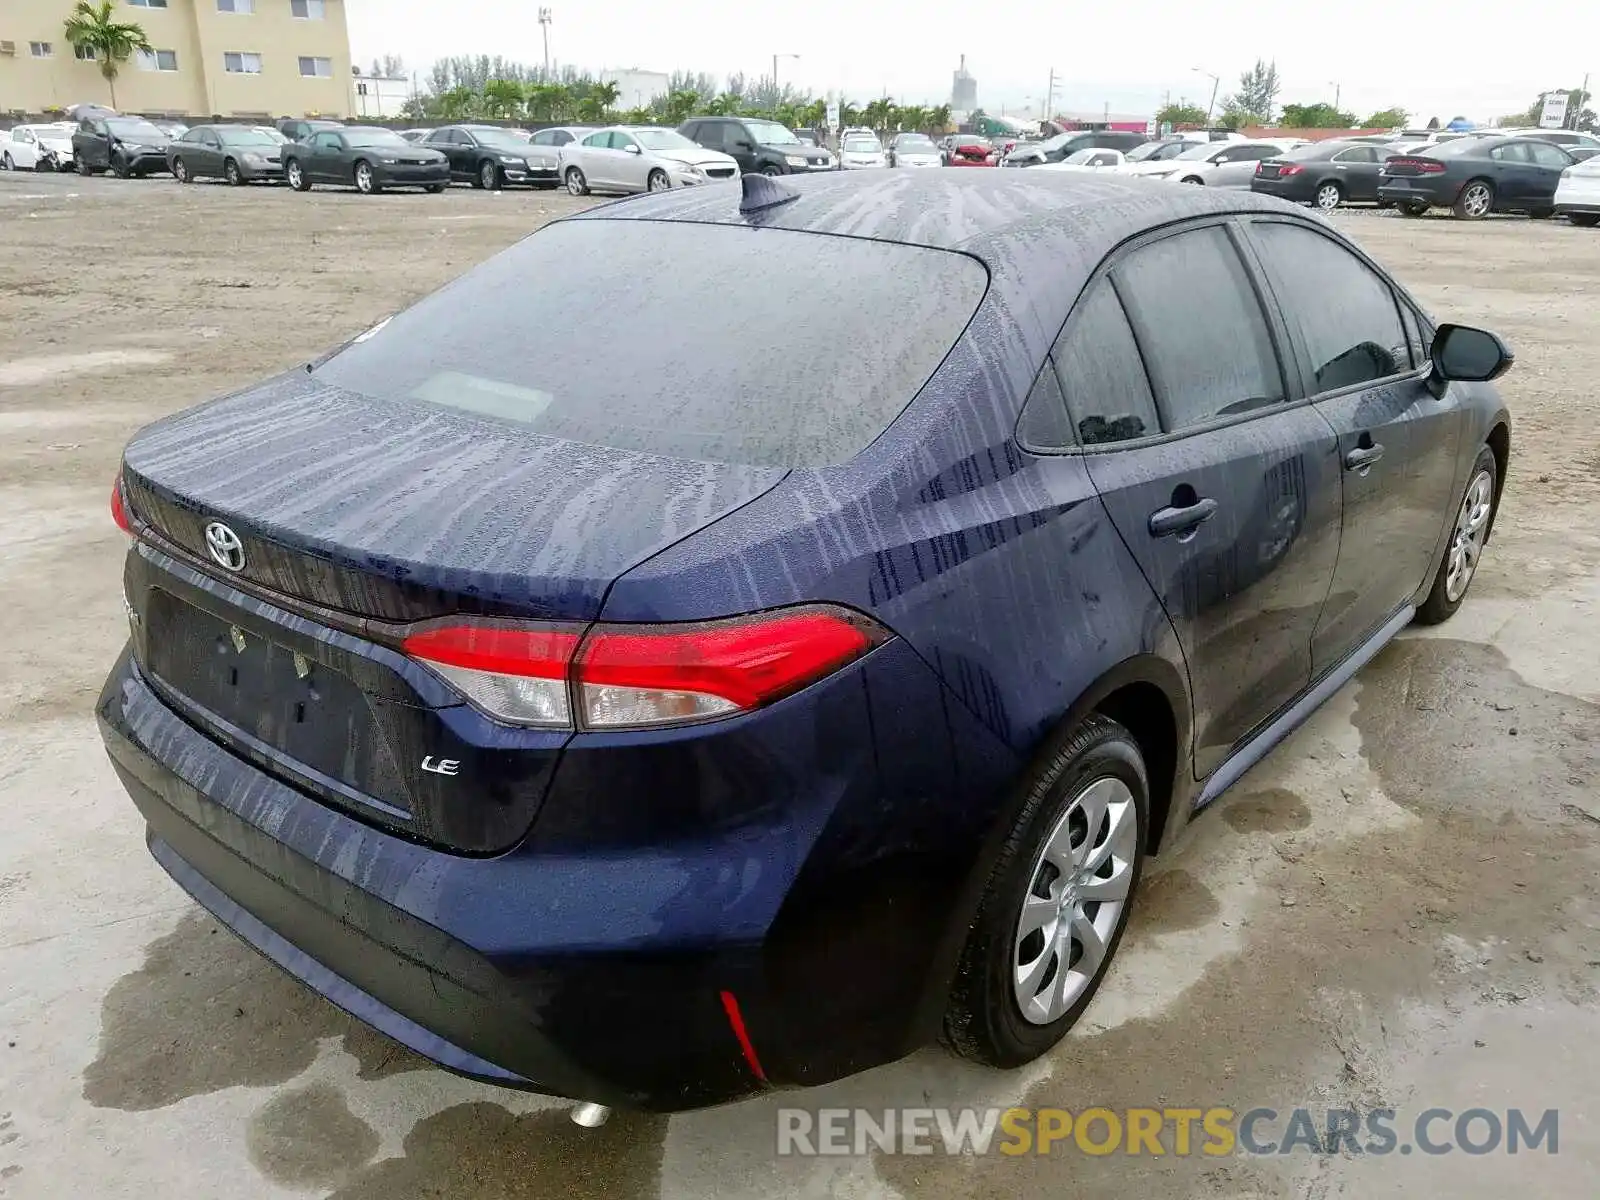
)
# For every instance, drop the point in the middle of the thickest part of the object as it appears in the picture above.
(92, 27)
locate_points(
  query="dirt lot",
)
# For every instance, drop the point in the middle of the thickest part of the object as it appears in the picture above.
(1397, 908)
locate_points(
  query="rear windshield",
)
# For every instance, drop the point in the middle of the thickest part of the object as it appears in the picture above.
(710, 342)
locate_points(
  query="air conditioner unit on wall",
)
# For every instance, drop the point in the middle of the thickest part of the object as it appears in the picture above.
(8, 48)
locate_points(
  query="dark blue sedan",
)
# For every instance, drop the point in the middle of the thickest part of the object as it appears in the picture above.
(731, 639)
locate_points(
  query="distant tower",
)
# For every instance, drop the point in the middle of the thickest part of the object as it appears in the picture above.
(963, 89)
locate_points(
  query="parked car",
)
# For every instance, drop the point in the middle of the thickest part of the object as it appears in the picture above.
(914, 150)
(1578, 193)
(274, 133)
(1089, 160)
(1325, 174)
(507, 676)
(1033, 154)
(366, 158)
(544, 152)
(484, 155)
(415, 135)
(173, 129)
(1567, 139)
(1476, 176)
(236, 153)
(970, 150)
(298, 130)
(757, 145)
(641, 158)
(126, 146)
(1160, 151)
(36, 148)
(1215, 164)
(859, 151)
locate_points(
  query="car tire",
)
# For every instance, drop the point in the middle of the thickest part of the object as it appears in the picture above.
(489, 177)
(1475, 201)
(230, 172)
(119, 167)
(366, 178)
(1585, 220)
(5, 162)
(657, 181)
(1194, 179)
(296, 175)
(577, 185)
(84, 168)
(1411, 209)
(1095, 768)
(1329, 196)
(1542, 214)
(436, 188)
(180, 171)
(1469, 532)
(771, 169)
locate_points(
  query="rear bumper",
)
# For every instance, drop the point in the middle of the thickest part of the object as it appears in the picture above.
(1295, 188)
(1418, 191)
(1578, 195)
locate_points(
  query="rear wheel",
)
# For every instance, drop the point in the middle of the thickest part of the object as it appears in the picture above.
(230, 172)
(1476, 201)
(489, 177)
(436, 188)
(1542, 214)
(658, 181)
(297, 177)
(1473, 521)
(366, 179)
(5, 162)
(180, 171)
(1411, 208)
(1587, 220)
(576, 183)
(1057, 899)
(1329, 196)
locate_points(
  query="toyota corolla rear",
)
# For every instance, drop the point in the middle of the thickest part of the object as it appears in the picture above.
(394, 714)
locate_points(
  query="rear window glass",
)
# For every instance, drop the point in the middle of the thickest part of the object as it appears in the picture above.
(760, 346)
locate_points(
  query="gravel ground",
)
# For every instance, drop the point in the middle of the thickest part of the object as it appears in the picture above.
(1397, 908)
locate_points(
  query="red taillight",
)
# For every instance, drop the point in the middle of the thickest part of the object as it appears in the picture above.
(1289, 169)
(119, 507)
(634, 676)
(1422, 166)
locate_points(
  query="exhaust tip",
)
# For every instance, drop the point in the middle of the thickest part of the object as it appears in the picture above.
(590, 1116)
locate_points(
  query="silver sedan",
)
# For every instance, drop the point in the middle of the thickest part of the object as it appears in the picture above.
(640, 158)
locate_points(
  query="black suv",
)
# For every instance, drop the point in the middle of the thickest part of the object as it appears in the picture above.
(125, 145)
(1053, 150)
(757, 145)
(297, 130)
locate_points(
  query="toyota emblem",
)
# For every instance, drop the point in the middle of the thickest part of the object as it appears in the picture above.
(225, 546)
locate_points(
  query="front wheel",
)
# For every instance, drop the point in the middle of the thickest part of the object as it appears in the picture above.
(297, 177)
(180, 171)
(6, 164)
(119, 167)
(489, 177)
(1329, 196)
(1586, 220)
(658, 181)
(1057, 900)
(230, 172)
(772, 169)
(1475, 202)
(577, 185)
(1410, 208)
(1196, 180)
(1473, 521)
(366, 179)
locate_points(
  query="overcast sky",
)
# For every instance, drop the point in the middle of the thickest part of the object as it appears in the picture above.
(1433, 57)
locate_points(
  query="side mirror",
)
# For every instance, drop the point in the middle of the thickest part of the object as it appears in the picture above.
(632, 149)
(1460, 352)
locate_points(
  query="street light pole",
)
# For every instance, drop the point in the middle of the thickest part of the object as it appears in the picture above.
(544, 30)
(1216, 82)
(777, 94)
(1337, 89)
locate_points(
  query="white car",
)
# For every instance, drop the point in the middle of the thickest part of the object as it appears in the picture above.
(914, 150)
(640, 158)
(1578, 193)
(859, 151)
(36, 148)
(1567, 139)
(1215, 164)
(1092, 159)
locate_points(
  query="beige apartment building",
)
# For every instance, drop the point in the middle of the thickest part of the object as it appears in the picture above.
(231, 58)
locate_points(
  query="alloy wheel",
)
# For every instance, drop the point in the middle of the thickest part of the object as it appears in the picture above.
(180, 170)
(658, 182)
(1328, 197)
(489, 175)
(1476, 201)
(363, 178)
(575, 182)
(294, 175)
(1466, 543)
(231, 174)
(1076, 893)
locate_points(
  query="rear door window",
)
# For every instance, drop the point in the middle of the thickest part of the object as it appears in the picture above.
(1346, 315)
(595, 330)
(1200, 327)
(1102, 375)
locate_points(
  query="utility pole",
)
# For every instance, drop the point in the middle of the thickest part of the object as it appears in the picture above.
(1575, 111)
(1337, 90)
(777, 94)
(544, 29)
(1049, 97)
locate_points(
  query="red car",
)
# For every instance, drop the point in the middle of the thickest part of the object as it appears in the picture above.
(969, 150)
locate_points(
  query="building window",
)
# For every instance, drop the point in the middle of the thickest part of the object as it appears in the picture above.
(241, 62)
(41, 49)
(242, 7)
(84, 54)
(309, 10)
(158, 60)
(316, 68)
(147, 3)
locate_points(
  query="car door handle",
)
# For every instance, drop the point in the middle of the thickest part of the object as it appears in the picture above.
(1165, 522)
(1363, 457)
